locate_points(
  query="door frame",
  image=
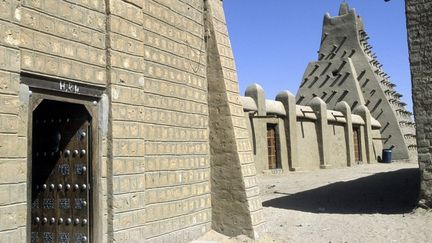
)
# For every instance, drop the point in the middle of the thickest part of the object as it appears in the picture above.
(275, 127)
(357, 140)
(37, 95)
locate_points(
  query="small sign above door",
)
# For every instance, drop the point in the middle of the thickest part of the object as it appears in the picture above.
(64, 86)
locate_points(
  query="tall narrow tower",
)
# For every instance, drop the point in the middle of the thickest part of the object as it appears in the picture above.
(347, 69)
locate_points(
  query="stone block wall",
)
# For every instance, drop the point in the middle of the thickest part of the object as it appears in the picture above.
(126, 168)
(153, 178)
(13, 130)
(63, 39)
(66, 40)
(178, 205)
(419, 18)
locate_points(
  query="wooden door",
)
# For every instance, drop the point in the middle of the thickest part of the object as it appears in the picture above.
(272, 146)
(357, 148)
(60, 173)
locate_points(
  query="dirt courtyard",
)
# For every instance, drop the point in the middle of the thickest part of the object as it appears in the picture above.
(364, 203)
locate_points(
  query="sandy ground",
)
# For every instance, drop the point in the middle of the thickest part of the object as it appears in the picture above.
(365, 203)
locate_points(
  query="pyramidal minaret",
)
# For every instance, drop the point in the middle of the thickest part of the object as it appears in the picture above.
(348, 70)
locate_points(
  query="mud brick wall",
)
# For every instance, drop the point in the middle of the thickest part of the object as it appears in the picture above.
(419, 19)
(236, 204)
(347, 69)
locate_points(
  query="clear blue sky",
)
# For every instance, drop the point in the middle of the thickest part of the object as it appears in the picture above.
(274, 40)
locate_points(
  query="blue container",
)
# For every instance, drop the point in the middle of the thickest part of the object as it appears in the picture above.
(386, 155)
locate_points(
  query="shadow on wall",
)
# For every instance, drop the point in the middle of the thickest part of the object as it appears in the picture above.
(386, 193)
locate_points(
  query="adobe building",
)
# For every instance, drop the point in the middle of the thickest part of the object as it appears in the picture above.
(348, 70)
(419, 18)
(121, 121)
(289, 137)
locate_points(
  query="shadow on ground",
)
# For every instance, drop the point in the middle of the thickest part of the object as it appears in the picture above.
(393, 192)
